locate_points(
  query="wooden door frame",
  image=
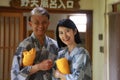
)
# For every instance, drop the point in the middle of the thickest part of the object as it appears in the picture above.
(65, 11)
(89, 24)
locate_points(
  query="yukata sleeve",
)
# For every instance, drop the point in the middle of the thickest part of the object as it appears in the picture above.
(18, 72)
(81, 69)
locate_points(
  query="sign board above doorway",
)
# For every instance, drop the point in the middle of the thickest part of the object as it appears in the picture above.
(49, 4)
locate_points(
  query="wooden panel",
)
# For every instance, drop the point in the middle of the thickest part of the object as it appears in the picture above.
(50, 33)
(114, 46)
(11, 33)
(89, 33)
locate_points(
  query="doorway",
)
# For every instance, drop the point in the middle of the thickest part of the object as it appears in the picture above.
(5, 57)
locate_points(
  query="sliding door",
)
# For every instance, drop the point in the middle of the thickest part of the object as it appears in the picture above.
(11, 33)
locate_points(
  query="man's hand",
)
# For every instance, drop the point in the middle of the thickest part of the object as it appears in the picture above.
(45, 64)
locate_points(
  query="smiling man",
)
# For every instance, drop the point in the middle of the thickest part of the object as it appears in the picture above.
(41, 69)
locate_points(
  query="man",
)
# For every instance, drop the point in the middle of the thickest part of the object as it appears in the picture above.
(46, 50)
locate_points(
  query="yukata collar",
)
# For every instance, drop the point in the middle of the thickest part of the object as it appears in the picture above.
(74, 51)
(37, 41)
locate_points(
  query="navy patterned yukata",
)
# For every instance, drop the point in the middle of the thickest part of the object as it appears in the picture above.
(80, 63)
(49, 50)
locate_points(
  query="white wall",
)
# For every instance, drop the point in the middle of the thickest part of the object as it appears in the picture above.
(55, 18)
(98, 28)
(86, 4)
(4, 2)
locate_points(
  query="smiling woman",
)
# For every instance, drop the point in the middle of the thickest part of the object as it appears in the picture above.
(67, 36)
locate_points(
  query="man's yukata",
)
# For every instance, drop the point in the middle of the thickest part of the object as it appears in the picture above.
(49, 50)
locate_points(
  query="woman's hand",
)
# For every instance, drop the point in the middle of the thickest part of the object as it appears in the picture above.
(58, 74)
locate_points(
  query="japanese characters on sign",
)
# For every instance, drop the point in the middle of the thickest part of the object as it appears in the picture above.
(52, 4)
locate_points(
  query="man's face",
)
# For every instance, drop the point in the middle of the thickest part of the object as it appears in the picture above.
(39, 24)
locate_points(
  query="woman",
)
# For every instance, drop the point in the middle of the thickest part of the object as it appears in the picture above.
(78, 57)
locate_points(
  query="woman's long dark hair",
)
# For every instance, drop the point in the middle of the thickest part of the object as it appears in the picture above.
(68, 24)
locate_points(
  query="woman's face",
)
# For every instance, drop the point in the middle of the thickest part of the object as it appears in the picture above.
(66, 35)
(39, 24)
